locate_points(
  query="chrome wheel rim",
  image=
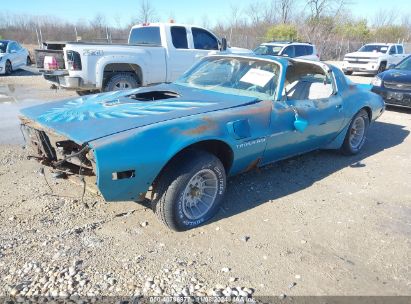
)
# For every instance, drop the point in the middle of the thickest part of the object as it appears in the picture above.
(200, 194)
(357, 132)
(122, 85)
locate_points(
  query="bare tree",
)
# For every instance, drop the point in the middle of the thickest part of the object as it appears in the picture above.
(320, 8)
(146, 12)
(285, 7)
(385, 17)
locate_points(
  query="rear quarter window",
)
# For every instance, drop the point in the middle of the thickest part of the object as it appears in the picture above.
(149, 35)
(400, 49)
(300, 50)
(309, 50)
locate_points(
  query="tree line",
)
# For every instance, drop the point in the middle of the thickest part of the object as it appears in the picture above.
(328, 24)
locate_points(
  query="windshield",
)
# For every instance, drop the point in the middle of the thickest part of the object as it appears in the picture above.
(268, 50)
(404, 65)
(374, 48)
(3, 46)
(240, 76)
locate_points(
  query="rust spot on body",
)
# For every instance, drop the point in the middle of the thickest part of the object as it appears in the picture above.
(252, 165)
(209, 125)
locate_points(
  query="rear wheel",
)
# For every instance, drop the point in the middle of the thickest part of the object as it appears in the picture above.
(189, 191)
(356, 133)
(121, 81)
(8, 68)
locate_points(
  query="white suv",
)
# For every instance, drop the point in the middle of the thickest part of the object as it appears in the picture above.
(288, 49)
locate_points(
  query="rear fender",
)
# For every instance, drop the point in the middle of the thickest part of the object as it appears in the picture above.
(104, 61)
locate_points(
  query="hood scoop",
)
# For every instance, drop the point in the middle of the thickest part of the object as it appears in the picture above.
(154, 95)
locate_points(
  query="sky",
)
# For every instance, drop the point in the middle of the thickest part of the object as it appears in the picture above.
(183, 11)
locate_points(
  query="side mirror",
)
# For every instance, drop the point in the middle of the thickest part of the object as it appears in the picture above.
(285, 55)
(223, 44)
(300, 124)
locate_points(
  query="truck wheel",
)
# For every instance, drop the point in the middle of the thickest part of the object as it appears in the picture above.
(348, 72)
(121, 81)
(356, 134)
(382, 67)
(189, 191)
(8, 69)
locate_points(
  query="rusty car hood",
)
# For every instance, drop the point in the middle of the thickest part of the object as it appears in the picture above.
(91, 117)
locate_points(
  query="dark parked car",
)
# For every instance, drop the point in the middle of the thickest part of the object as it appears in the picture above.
(394, 85)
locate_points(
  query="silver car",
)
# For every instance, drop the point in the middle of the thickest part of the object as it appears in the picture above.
(12, 56)
(300, 50)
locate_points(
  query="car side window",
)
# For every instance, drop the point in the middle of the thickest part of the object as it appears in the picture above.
(306, 81)
(179, 37)
(203, 40)
(18, 46)
(400, 49)
(393, 50)
(12, 47)
(290, 51)
(309, 50)
(300, 50)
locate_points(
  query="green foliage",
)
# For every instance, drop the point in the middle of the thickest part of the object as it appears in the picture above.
(390, 33)
(358, 31)
(282, 32)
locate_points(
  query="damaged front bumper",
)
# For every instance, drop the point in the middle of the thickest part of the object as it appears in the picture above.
(74, 161)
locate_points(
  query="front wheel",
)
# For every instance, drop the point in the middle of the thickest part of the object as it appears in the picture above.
(348, 73)
(189, 192)
(356, 133)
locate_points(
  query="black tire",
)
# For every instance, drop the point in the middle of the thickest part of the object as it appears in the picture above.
(87, 92)
(348, 73)
(121, 81)
(382, 67)
(170, 191)
(28, 61)
(351, 145)
(8, 69)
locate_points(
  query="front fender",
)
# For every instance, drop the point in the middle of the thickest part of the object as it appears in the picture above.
(146, 150)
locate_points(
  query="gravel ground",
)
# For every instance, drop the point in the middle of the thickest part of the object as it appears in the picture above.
(318, 224)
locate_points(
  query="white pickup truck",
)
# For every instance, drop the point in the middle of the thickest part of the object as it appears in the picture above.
(155, 53)
(373, 58)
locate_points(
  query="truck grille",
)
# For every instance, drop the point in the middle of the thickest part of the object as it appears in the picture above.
(398, 86)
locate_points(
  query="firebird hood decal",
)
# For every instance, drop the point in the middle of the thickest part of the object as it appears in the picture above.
(90, 117)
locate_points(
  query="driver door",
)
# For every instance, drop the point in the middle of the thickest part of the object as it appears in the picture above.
(313, 100)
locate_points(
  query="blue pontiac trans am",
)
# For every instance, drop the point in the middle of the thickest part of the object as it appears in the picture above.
(228, 114)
